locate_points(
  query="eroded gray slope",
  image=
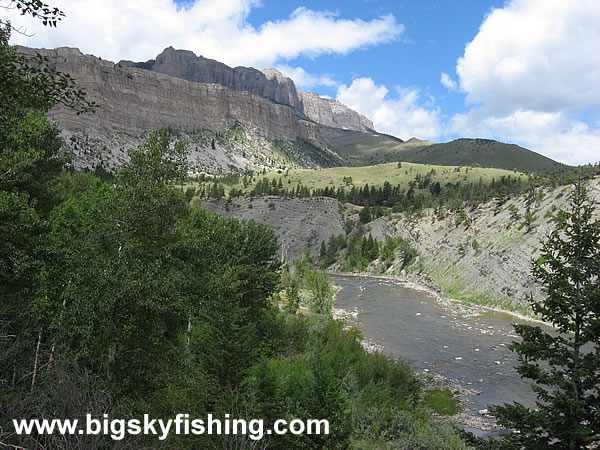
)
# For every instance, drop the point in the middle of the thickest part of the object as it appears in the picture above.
(298, 223)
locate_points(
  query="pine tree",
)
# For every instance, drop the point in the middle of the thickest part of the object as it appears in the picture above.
(365, 215)
(565, 365)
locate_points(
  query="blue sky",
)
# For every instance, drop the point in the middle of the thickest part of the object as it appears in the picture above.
(520, 71)
(435, 35)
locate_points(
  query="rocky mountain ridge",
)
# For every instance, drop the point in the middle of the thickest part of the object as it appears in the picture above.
(269, 83)
(186, 65)
(246, 119)
(134, 101)
(332, 113)
(255, 124)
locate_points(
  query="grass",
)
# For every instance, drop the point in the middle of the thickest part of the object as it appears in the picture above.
(484, 152)
(448, 278)
(374, 148)
(442, 401)
(377, 175)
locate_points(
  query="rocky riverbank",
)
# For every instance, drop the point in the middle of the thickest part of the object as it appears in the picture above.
(473, 419)
(424, 283)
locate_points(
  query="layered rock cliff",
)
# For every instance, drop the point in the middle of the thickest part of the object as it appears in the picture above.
(231, 129)
(136, 100)
(332, 113)
(270, 84)
(186, 65)
(247, 119)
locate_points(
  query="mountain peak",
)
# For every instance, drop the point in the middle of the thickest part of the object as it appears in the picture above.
(269, 83)
(274, 74)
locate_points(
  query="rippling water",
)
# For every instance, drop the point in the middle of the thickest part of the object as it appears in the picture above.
(471, 350)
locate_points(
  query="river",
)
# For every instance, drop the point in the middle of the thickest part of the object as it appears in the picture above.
(471, 350)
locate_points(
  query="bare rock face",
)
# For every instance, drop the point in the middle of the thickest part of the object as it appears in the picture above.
(185, 64)
(332, 113)
(134, 101)
(299, 223)
(242, 119)
(270, 84)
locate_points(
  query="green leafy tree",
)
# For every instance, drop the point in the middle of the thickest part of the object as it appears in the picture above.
(292, 294)
(36, 8)
(565, 366)
(30, 167)
(230, 271)
(321, 292)
(29, 170)
(112, 295)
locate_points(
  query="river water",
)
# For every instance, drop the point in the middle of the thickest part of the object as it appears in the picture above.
(471, 350)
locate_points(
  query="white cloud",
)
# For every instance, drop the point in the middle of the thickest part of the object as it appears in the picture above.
(553, 134)
(540, 55)
(218, 29)
(401, 115)
(304, 80)
(531, 71)
(448, 82)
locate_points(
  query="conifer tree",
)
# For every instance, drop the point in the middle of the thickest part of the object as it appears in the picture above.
(565, 366)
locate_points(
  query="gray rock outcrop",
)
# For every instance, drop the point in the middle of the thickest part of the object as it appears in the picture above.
(134, 101)
(332, 113)
(186, 65)
(270, 84)
(299, 223)
(243, 119)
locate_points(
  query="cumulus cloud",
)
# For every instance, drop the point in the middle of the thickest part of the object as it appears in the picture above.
(530, 73)
(538, 55)
(553, 134)
(304, 80)
(218, 29)
(401, 114)
(448, 82)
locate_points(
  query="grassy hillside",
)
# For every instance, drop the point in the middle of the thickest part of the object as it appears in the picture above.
(378, 174)
(375, 175)
(484, 153)
(376, 148)
(367, 149)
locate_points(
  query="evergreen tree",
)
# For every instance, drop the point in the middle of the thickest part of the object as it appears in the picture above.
(564, 366)
(365, 215)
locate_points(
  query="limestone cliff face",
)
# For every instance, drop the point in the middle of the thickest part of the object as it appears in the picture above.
(332, 113)
(270, 84)
(135, 100)
(185, 64)
(257, 122)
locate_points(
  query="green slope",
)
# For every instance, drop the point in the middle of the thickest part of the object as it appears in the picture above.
(374, 176)
(484, 153)
(360, 149)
